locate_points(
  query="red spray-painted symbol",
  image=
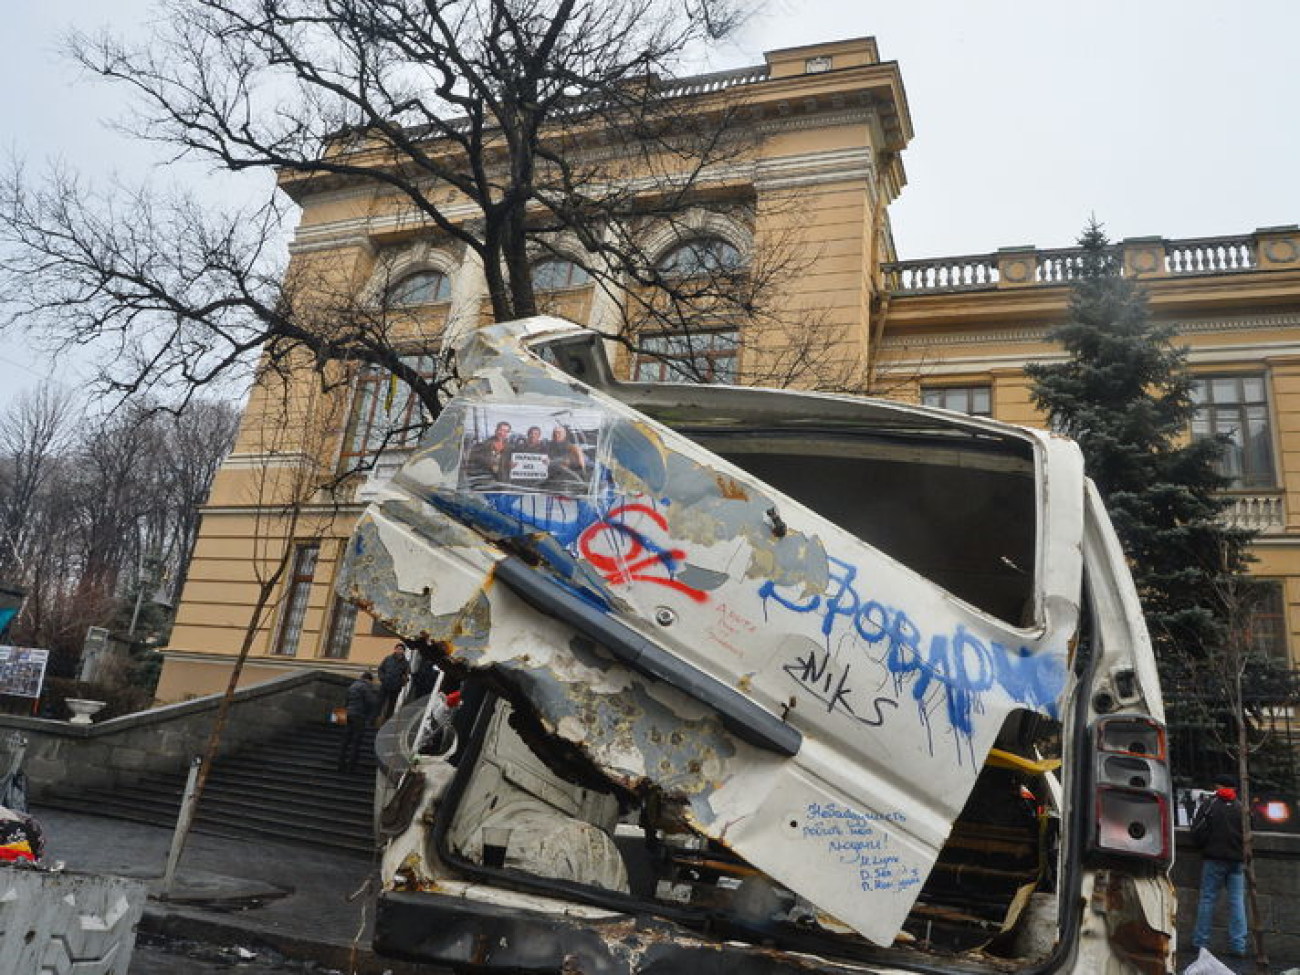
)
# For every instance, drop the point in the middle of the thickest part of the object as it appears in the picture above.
(623, 554)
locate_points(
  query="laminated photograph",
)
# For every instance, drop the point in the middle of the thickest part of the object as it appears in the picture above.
(530, 450)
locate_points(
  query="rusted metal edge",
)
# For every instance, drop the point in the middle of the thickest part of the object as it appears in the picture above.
(741, 716)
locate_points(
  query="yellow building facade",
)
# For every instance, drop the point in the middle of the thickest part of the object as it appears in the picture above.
(830, 124)
(959, 331)
(820, 162)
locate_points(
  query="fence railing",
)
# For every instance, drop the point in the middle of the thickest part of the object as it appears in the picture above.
(1143, 257)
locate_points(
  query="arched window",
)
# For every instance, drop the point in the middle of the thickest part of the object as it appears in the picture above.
(420, 288)
(556, 274)
(702, 255)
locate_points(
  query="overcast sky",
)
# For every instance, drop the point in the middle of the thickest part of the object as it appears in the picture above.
(1173, 118)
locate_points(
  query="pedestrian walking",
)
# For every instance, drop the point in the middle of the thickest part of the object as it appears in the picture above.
(1217, 830)
(393, 673)
(362, 704)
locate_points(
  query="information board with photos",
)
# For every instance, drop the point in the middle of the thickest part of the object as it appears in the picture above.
(22, 670)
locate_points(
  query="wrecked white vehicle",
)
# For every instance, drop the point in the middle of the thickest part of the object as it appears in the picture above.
(759, 681)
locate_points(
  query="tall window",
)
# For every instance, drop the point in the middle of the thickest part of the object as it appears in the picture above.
(343, 622)
(708, 357)
(1266, 630)
(975, 400)
(297, 596)
(557, 274)
(1236, 408)
(420, 288)
(385, 413)
(702, 255)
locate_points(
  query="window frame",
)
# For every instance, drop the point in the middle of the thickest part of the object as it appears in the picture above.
(1267, 632)
(573, 269)
(342, 620)
(1207, 421)
(661, 360)
(968, 390)
(393, 297)
(703, 248)
(363, 438)
(297, 599)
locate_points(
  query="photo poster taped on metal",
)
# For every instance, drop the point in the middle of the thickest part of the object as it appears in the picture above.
(22, 671)
(531, 449)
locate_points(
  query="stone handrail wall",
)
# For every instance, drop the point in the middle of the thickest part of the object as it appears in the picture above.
(718, 81)
(1264, 513)
(971, 273)
(65, 758)
(1270, 248)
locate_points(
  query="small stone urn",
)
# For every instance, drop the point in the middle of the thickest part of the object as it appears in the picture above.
(83, 710)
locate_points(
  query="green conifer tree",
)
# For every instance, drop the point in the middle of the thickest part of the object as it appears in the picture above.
(1125, 395)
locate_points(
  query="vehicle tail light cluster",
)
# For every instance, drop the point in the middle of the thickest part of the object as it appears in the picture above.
(1130, 789)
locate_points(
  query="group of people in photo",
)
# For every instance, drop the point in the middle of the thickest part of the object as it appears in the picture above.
(534, 460)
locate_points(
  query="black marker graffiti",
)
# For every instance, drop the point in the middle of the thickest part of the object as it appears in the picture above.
(815, 671)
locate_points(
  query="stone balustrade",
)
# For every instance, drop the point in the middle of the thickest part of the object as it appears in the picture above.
(1270, 248)
(1263, 513)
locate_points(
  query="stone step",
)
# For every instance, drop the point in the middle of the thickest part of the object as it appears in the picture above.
(288, 789)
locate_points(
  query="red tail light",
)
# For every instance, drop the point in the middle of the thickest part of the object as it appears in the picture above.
(1130, 789)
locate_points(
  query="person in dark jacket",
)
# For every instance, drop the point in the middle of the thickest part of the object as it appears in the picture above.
(1216, 829)
(393, 673)
(362, 704)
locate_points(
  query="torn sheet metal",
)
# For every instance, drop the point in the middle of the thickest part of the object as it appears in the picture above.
(703, 610)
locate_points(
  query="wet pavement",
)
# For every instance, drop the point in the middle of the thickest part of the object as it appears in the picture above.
(239, 905)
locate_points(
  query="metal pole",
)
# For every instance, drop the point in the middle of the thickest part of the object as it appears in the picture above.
(183, 820)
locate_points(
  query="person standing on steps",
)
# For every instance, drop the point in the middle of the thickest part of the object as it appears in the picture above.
(1216, 829)
(393, 673)
(362, 705)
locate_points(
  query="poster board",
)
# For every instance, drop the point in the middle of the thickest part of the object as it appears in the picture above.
(22, 671)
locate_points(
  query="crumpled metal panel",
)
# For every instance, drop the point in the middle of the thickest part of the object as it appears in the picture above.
(896, 689)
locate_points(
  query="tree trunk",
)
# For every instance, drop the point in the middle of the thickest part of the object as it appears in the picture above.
(1247, 836)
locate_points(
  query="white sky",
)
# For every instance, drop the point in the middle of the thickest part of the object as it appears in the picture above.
(1173, 118)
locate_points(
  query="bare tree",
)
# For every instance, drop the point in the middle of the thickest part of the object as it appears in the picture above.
(1240, 692)
(510, 128)
(32, 435)
(84, 507)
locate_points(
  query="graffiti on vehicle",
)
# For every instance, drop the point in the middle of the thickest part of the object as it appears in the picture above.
(861, 842)
(959, 665)
(631, 544)
(818, 674)
(626, 543)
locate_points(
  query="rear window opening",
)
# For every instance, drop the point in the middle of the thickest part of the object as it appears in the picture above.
(964, 519)
(535, 821)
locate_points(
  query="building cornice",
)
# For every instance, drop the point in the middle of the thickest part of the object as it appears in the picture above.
(900, 353)
(1038, 333)
(304, 510)
(766, 173)
(262, 459)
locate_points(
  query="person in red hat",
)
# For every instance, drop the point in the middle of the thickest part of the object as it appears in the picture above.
(1217, 830)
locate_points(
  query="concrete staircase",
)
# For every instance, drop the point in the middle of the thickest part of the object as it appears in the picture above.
(287, 789)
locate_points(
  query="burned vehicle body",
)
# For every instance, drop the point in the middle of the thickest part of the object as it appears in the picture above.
(753, 677)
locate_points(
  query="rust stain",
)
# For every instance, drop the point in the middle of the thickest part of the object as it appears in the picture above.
(1145, 948)
(731, 489)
